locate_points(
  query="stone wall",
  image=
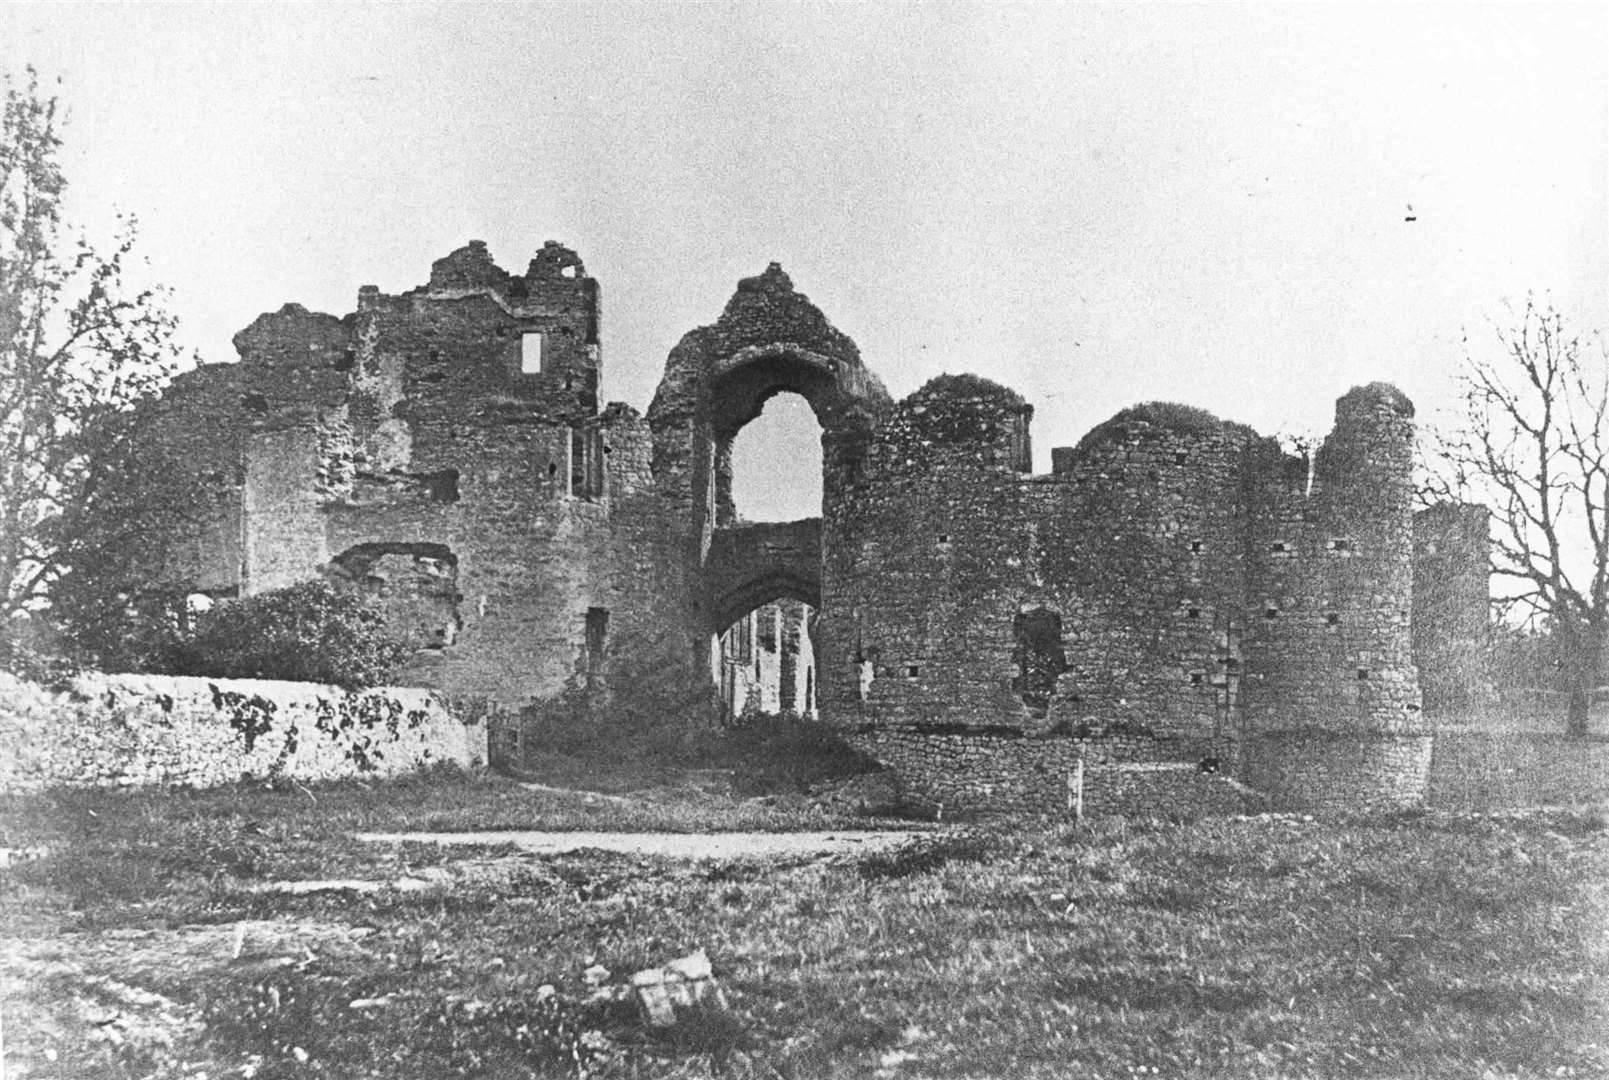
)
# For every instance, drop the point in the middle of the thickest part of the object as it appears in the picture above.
(1494, 771)
(1452, 607)
(1139, 774)
(136, 730)
(442, 450)
(1338, 772)
(1174, 573)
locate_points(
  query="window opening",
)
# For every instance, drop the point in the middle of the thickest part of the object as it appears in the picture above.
(533, 352)
(1040, 658)
(597, 637)
(586, 463)
(776, 462)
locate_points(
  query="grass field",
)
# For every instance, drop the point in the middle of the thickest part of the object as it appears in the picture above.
(1420, 945)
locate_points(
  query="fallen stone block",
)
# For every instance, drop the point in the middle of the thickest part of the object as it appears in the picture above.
(684, 983)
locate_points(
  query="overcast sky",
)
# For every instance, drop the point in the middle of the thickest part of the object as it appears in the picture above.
(1095, 205)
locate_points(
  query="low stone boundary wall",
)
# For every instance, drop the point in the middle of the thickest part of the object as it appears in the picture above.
(1123, 774)
(1494, 771)
(135, 730)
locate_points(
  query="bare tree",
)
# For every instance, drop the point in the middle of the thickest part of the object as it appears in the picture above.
(1530, 443)
(78, 347)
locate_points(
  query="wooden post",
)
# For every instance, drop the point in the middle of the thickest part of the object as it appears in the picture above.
(1075, 790)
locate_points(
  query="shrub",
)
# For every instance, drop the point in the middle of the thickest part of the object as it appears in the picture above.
(29, 651)
(310, 632)
(773, 755)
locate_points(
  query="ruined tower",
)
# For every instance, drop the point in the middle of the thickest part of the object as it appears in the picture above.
(1176, 603)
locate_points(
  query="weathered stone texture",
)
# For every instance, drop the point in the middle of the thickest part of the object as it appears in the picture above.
(1174, 577)
(1340, 772)
(1451, 607)
(1121, 774)
(137, 730)
(1173, 571)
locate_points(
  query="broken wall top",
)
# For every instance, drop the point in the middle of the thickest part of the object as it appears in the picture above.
(769, 339)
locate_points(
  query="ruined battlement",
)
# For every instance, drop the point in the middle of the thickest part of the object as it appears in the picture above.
(1174, 578)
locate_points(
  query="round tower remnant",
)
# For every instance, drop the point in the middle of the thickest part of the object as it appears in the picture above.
(1178, 613)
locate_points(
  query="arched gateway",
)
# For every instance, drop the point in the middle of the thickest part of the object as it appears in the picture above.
(1174, 591)
(769, 340)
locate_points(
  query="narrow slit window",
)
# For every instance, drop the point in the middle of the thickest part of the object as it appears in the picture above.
(597, 637)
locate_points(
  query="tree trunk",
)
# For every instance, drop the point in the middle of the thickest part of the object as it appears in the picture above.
(1583, 663)
(1579, 709)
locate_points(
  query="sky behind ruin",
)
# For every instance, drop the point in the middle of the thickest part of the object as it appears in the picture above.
(1095, 205)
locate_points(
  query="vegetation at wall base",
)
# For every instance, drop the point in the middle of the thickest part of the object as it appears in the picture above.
(310, 632)
(1409, 945)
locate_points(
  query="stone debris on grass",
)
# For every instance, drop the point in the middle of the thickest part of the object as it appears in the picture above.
(719, 845)
(429, 880)
(372, 1003)
(10, 857)
(684, 983)
(85, 1004)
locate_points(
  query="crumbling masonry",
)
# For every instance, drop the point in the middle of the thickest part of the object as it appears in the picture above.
(1178, 602)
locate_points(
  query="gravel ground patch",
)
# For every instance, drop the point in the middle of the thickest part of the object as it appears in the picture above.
(730, 845)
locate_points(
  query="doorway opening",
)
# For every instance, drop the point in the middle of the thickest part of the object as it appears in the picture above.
(765, 663)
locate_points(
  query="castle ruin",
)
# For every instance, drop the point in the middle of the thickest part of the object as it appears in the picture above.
(1178, 611)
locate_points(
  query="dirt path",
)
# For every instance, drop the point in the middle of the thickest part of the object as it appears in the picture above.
(729, 845)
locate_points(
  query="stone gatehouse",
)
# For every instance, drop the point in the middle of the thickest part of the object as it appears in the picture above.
(1177, 602)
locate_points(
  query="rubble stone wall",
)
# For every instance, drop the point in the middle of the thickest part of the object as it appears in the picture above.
(1338, 772)
(1451, 612)
(966, 772)
(139, 730)
(443, 451)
